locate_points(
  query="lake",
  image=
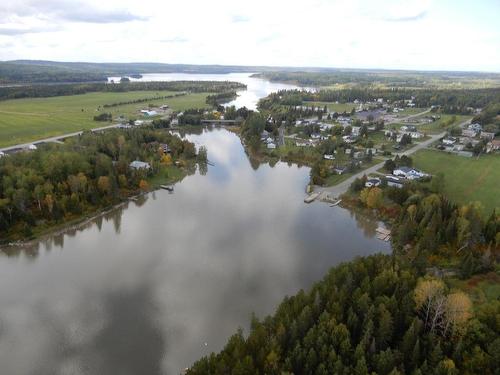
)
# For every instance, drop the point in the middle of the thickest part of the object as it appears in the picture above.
(256, 87)
(154, 285)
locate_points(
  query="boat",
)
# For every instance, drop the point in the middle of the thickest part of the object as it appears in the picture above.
(169, 188)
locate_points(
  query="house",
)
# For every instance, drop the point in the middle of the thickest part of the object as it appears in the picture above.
(492, 146)
(408, 128)
(355, 130)
(393, 181)
(349, 139)
(174, 122)
(271, 145)
(301, 143)
(475, 127)
(348, 151)
(138, 122)
(449, 141)
(269, 140)
(371, 182)
(166, 149)
(137, 165)
(147, 112)
(315, 136)
(487, 135)
(264, 135)
(358, 155)
(164, 107)
(408, 173)
(469, 133)
(340, 169)
(328, 157)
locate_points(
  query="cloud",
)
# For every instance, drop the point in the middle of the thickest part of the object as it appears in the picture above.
(65, 10)
(10, 31)
(237, 18)
(410, 18)
(177, 39)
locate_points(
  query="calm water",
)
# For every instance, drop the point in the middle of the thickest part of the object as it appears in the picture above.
(256, 88)
(153, 286)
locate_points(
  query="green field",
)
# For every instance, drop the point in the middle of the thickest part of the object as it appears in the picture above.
(336, 107)
(437, 126)
(466, 179)
(24, 120)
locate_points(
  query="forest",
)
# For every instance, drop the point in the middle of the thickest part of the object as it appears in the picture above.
(43, 91)
(374, 315)
(60, 182)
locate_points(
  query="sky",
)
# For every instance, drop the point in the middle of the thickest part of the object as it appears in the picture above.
(388, 34)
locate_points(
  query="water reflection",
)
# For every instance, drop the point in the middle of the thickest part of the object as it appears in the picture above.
(148, 285)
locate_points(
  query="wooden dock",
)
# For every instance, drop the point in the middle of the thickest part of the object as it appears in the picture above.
(311, 197)
(383, 234)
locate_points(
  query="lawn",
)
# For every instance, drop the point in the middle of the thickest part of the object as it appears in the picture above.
(445, 122)
(24, 120)
(466, 179)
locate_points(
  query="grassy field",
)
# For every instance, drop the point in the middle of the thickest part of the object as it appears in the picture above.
(24, 120)
(466, 179)
(438, 126)
(340, 107)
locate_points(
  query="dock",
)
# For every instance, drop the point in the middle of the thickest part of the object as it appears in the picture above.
(383, 234)
(311, 197)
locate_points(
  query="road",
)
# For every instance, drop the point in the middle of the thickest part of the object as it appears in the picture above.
(53, 139)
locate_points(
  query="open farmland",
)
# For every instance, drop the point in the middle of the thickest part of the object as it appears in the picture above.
(24, 120)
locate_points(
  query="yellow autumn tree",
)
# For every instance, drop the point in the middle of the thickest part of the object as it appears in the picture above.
(166, 159)
(458, 311)
(374, 198)
(143, 185)
(103, 184)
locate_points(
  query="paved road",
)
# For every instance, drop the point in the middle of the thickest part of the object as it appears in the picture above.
(53, 139)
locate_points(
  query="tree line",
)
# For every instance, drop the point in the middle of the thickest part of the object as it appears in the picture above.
(42, 91)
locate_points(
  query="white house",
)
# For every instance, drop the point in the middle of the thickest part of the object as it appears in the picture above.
(408, 173)
(328, 157)
(449, 141)
(393, 181)
(137, 165)
(271, 145)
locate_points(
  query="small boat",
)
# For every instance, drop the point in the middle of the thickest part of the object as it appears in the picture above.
(310, 198)
(169, 188)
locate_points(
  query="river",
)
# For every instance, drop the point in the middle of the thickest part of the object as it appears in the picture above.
(154, 285)
(256, 87)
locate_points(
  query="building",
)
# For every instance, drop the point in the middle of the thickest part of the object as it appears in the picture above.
(371, 182)
(487, 135)
(271, 145)
(408, 173)
(493, 146)
(475, 127)
(408, 128)
(138, 122)
(393, 181)
(449, 141)
(32, 147)
(328, 157)
(148, 113)
(138, 165)
(166, 148)
(469, 133)
(340, 169)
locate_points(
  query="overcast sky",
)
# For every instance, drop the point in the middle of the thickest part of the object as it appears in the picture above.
(405, 34)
